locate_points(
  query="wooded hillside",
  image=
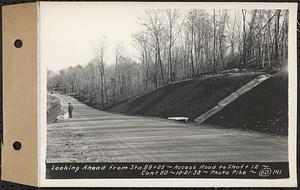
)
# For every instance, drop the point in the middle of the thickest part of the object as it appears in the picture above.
(176, 45)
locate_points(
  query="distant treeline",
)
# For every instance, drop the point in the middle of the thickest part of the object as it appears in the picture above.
(177, 45)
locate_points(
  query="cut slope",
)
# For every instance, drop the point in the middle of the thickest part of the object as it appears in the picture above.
(264, 108)
(53, 108)
(187, 98)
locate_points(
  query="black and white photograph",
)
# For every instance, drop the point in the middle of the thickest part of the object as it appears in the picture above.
(144, 83)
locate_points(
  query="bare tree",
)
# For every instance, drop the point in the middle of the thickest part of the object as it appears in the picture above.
(142, 45)
(244, 13)
(174, 46)
(174, 27)
(119, 51)
(191, 28)
(214, 48)
(153, 22)
(99, 51)
(276, 34)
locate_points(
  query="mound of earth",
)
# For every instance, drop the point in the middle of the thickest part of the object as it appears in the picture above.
(53, 108)
(264, 108)
(189, 98)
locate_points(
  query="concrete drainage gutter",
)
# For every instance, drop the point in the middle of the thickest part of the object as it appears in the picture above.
(185, 119)
(233, 96)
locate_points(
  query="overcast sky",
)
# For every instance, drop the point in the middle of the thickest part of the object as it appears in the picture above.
(69, 29)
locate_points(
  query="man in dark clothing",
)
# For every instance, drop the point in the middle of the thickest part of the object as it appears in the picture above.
(70, 109)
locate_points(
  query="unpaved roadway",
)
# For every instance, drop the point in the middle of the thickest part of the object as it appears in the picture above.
(98, 136)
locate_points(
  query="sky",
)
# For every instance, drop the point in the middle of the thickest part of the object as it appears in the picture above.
(68, 32)
(69, 29)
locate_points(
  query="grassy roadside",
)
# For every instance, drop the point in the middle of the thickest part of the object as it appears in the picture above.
(187, 98)
(53, 108)
(264, 108)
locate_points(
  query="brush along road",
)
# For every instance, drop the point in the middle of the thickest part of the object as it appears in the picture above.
(99, 136)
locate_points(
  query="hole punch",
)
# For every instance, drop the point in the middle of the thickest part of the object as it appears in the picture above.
(18, 43)
(17, 145)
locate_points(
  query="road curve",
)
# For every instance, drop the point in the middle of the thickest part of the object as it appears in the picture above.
(99, 136)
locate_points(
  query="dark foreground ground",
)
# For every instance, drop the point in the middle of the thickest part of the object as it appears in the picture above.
(264, 108)
(99, 136)
(188, 98)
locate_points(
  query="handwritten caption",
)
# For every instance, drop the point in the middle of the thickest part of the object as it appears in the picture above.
(159, 170)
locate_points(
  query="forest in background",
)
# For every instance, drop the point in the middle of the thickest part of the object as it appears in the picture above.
(176, 45)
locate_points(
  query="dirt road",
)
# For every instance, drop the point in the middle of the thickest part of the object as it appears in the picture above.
(98, 136)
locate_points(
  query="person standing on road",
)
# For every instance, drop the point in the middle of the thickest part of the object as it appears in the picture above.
(70, 109)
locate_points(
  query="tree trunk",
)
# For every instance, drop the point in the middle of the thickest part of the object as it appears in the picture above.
(214, 51)
(170, 52)
(160, 64)
(244, 38)
(276, 53)
(191, 51)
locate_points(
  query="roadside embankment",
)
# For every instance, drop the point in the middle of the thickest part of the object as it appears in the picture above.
(54, 108)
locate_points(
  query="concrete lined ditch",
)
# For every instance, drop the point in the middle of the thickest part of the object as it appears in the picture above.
(233, 96)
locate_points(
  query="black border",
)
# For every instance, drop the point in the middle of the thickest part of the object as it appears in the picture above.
(12, 186)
